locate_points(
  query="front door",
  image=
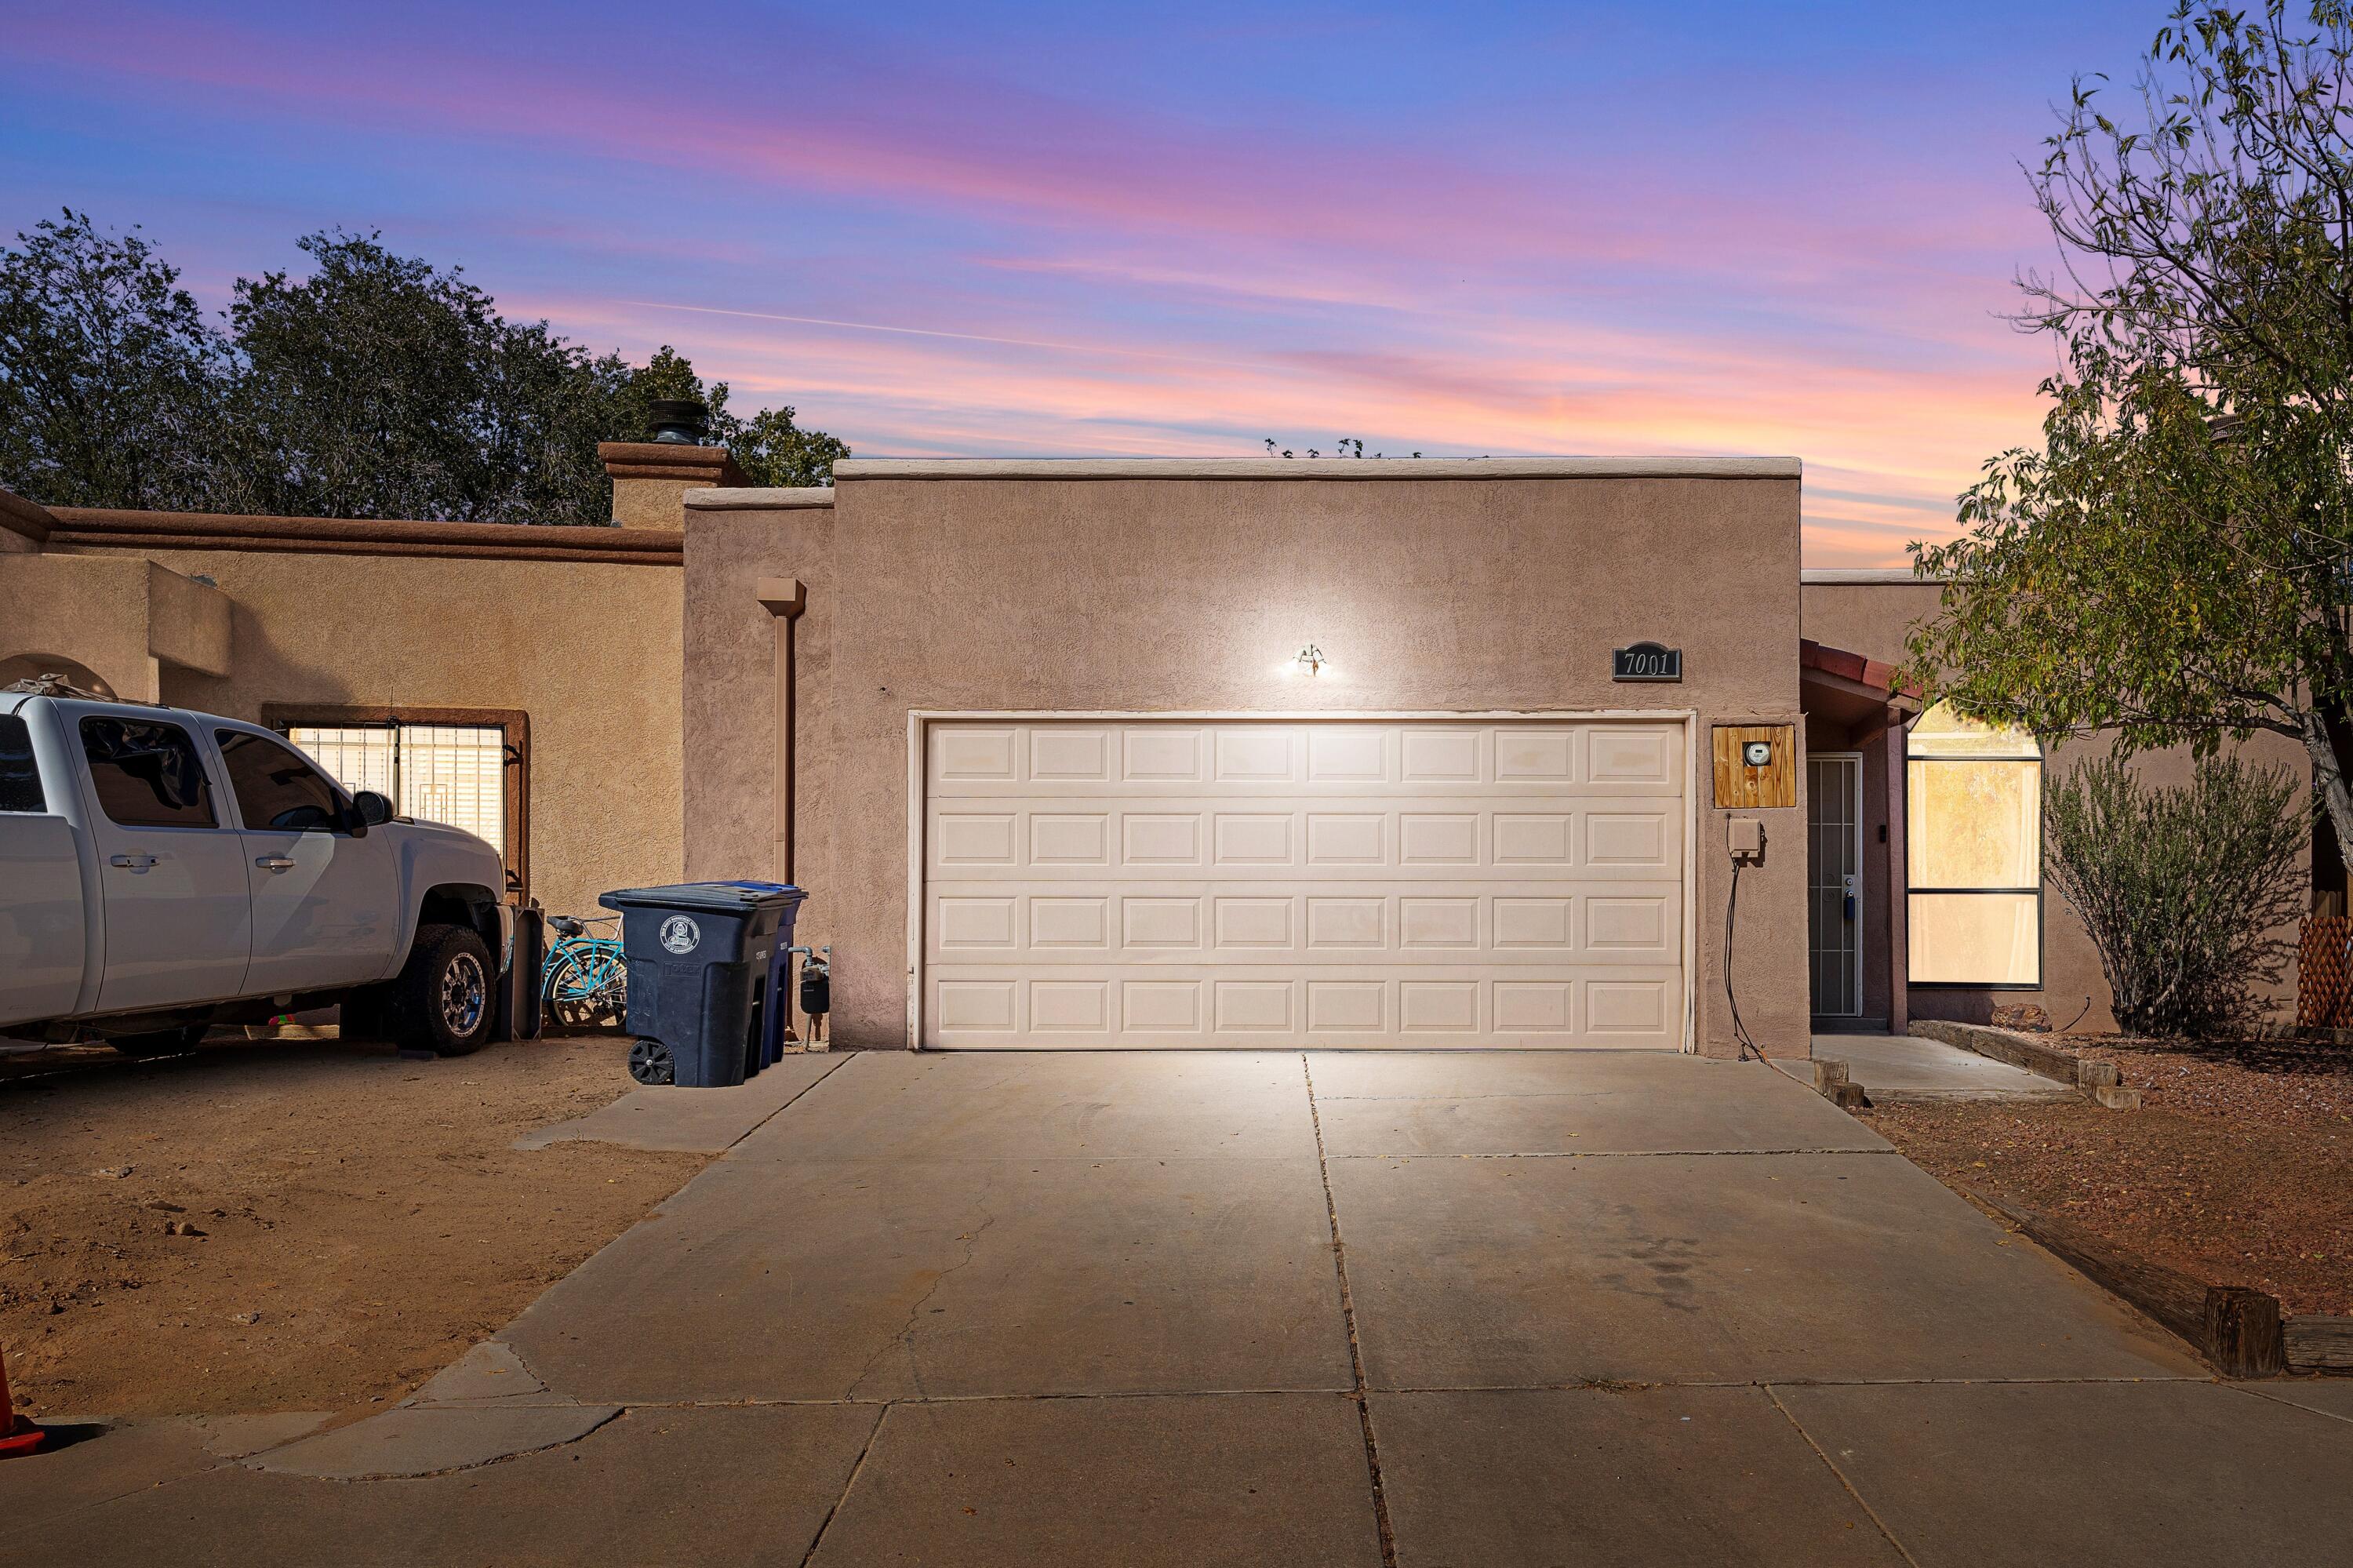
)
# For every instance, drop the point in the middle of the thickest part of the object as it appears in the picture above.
(324, 912)
(179, 921)
(1834, 880)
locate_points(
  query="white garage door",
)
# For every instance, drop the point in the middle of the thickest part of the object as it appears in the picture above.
(1327, 884)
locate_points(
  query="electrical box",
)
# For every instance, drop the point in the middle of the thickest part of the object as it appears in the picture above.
(1746, 837)
(1755, 766)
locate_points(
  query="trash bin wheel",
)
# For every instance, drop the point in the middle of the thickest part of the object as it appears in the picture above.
(650, 1063)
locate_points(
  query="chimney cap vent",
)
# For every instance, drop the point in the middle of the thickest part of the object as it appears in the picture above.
(679, 421)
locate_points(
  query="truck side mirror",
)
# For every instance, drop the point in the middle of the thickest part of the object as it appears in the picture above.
(373, 809)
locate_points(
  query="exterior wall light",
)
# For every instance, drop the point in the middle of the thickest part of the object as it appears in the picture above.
(1309, 662)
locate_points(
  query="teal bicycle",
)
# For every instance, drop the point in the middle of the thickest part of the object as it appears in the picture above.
(587, 984)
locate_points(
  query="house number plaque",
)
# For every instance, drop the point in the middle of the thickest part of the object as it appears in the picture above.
(1646, 661)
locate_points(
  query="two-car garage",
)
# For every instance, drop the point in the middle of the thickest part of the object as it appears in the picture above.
(1093, 881)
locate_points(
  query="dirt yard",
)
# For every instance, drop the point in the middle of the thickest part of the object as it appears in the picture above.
(292, 1226)
(2238, 1170)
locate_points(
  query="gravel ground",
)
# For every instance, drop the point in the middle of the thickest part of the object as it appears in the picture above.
(292, 1226)
(2238, 1170)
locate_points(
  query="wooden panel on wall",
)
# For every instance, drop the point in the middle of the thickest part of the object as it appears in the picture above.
(1740, 787)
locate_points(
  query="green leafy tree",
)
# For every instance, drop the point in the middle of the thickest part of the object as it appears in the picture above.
(2175, 561)
(110, 378)
(380, 386)
(374, 385)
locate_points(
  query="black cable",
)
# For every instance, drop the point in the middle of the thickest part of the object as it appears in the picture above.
(2079, 1017)
(1748, 1047)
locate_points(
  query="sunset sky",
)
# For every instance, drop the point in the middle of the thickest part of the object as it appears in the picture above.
(1080, 229)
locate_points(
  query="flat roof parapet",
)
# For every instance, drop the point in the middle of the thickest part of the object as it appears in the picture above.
(756, 498)
(1320, 468)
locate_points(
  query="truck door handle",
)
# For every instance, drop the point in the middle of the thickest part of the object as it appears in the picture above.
(133, 862)
(274, 862)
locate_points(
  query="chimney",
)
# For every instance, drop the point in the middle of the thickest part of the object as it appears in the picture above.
(651, 478)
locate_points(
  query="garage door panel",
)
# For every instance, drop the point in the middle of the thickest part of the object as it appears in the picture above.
(1337, 1011)
(1417, 839)
(1325, 758)
(1341, 883)
(1515, 924)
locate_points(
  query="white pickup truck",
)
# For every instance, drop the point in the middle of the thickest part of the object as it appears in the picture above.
(164, 871)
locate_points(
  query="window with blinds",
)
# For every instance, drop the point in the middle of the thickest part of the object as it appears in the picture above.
(437, 773)
(1973, 838)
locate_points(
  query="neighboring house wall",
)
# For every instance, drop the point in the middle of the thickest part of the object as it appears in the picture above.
(578, 628)
(1162, 588)
(1871, 615)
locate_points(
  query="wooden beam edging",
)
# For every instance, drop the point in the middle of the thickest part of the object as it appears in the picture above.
(2319, 1342)
(2236, 1329)
(2025, 1052)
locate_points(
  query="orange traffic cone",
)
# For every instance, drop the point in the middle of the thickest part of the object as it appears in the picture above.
(18, 1435)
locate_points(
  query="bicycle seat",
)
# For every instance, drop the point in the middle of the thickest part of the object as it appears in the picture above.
(564, 925)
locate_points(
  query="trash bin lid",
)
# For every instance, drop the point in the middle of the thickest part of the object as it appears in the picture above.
(727, 898)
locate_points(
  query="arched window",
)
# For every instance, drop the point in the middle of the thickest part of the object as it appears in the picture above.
(1973, 850)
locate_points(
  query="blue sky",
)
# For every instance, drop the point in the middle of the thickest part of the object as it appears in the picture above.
(1065, 230)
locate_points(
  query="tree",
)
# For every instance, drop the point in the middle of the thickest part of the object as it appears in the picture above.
(379, 386)
(2175, 561)
(109, 375)
(375, 385)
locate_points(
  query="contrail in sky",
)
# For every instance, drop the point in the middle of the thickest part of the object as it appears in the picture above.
(960, 336)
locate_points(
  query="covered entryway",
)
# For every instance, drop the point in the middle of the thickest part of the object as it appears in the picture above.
(1349, 881)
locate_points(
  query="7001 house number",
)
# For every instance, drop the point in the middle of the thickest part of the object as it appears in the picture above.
(1647, 662)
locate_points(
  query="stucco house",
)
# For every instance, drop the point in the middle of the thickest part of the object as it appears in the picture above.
(1509, 752)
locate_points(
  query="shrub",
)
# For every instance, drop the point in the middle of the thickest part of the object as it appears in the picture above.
(2187, 891)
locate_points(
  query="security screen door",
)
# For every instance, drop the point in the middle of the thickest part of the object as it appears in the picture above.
(1141, 882)
(1834, 880)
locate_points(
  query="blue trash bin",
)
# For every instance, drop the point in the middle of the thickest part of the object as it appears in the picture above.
(703, 958)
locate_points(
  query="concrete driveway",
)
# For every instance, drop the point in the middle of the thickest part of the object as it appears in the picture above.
(1484, 1308)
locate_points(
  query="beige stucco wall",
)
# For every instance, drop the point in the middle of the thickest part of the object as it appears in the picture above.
(1143, 595)
(1872, 619)
(589, 651)
(122, 619)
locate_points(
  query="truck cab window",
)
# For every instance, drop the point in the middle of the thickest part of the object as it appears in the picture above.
(276, 789)
(147, 773)
(20, 777)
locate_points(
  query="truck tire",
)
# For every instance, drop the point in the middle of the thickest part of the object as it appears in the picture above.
(177, 1042)
(445, 998)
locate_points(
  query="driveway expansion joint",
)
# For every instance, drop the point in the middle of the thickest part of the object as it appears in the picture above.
(1348, 1313)
(1860, 1501)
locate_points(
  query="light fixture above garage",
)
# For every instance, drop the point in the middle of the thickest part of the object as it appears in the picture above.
(1309, 662)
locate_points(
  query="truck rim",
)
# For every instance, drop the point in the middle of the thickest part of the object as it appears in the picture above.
(462, 994)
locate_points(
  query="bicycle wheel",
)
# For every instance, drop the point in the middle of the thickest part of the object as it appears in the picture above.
(579, 992)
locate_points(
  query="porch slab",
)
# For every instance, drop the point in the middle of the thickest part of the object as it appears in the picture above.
(2025, 1475)
(1680, 1268)
(1893, 1067)
(1658, 1476)
(1045, 1104)
(1589, 1102)
(1274, 1479)
(895, 1279)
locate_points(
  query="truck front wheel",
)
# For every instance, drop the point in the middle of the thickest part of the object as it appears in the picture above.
(444, 998)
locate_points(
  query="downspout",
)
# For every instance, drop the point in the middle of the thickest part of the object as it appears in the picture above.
(784, 599)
